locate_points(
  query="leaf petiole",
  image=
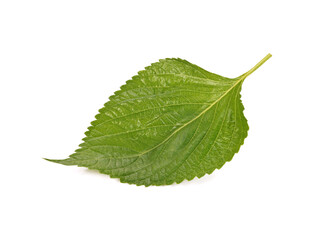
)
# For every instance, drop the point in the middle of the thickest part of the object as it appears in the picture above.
(262, 61)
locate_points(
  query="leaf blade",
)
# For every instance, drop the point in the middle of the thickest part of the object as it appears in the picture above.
(155, 130)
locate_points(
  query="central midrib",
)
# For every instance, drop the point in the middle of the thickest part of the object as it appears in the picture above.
(240, 79)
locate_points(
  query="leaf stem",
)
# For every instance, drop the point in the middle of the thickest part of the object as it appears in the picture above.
(262, 61)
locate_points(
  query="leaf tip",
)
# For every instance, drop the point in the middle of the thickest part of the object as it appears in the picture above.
(60, 161)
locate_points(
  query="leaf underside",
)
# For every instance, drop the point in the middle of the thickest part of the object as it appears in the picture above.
(171, 122)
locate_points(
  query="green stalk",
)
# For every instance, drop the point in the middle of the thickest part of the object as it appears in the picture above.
(262, 61)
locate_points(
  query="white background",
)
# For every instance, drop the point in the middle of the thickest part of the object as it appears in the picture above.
(61, 60)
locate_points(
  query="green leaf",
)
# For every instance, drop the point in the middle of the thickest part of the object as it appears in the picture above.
(171, 122)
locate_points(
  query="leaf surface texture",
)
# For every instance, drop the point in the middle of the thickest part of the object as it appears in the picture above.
(171, 122)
